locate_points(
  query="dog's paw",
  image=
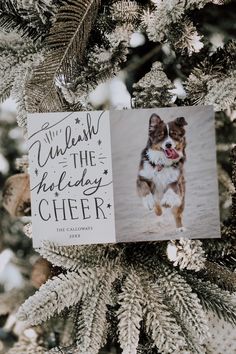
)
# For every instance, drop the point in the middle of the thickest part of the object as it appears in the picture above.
(148, 201)
(170, 199)
(181, 229)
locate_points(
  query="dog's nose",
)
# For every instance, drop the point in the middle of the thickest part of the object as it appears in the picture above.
(168, 145)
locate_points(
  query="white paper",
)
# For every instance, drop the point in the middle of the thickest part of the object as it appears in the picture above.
(71, 178)
(72, 157)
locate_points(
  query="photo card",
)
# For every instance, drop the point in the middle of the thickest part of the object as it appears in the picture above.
(123, 176)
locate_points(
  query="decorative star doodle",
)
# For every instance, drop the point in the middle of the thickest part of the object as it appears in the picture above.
(77, 121)
(105, 172)
(99, 142)
(109, 206)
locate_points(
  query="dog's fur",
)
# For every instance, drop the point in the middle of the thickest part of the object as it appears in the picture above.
(160, 181)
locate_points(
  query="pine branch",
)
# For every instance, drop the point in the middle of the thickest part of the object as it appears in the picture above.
(5, 90)
(184, 37)
(226, 246)
(101, 66)
(58, 293)
(186, 304)
(221, 302)
(69, 257)
(145, 254)
(209, 86)
(92, 317)
(160, 322)
(13, 52)
(75, 257)
(221, 91)
(66, 44)
(18, 91)
(220, 275)
(130, 313)
(194, 346)
(158, 21)
(10, 20)
(38, 12)
(126, 12)
(18, 57)
(153, 89)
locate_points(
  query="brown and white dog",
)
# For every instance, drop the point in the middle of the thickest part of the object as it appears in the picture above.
(161, 182)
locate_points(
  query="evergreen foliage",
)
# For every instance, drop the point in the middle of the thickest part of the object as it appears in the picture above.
(53, 55)
(166, 333)
(211, 296)
(65, 43)
(130, 313)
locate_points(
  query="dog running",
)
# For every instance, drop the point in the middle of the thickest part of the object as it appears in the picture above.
(161, 182)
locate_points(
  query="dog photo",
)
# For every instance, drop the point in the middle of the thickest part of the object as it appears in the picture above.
(164, 174)
(161, 182)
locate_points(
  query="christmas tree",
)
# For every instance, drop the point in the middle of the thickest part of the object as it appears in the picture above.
(160, 297)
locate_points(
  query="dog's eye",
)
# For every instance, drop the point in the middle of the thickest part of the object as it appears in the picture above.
(175, 134)
(160, 136)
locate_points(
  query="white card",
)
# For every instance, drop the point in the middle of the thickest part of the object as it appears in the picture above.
(160, 165)
(71, 178)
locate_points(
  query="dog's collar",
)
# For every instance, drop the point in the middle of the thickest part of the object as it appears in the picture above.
(160, 167)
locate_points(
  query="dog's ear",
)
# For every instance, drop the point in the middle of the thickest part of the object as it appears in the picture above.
(154, 121)
(181, 121)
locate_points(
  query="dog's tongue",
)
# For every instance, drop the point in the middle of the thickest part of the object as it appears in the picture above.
(171, 154)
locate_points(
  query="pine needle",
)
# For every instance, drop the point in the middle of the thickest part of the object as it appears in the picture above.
(66, 44)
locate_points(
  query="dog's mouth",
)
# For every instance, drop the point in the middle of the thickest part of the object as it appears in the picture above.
(171, 153)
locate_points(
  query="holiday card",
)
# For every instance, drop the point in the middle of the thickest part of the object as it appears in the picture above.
(123, 176)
